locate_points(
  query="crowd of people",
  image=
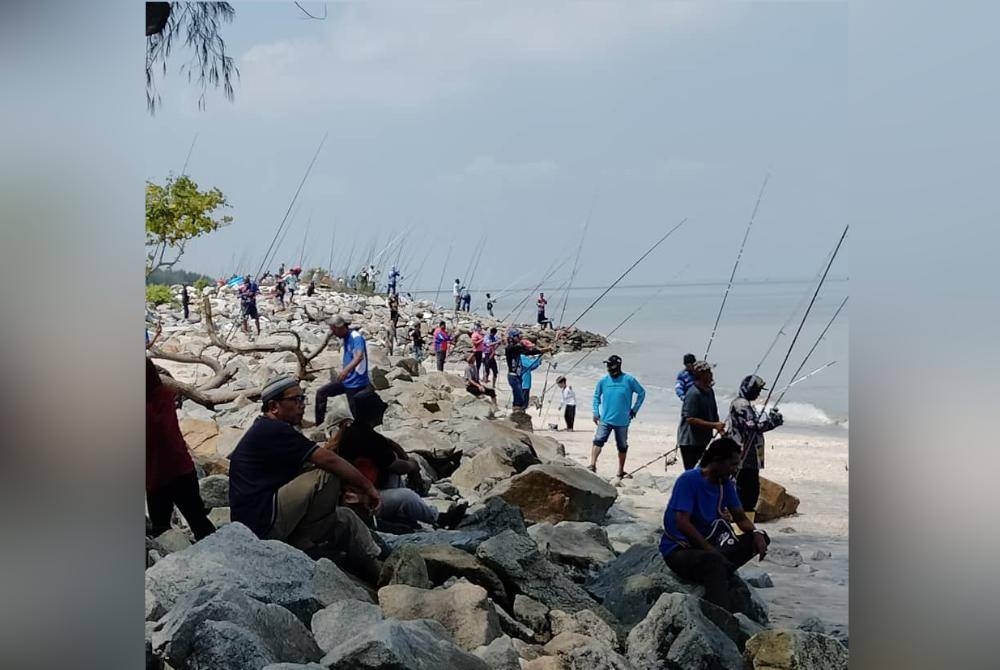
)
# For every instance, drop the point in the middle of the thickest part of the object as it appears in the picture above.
(325, 498)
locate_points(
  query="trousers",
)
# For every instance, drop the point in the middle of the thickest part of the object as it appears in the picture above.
(712, 569)
(440, 359)
(405, 504)
(691, 454)
(183, 492)
(748, 488)
(569, 415)
(330, 390)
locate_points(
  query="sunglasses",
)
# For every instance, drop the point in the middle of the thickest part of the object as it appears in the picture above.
(299, 399)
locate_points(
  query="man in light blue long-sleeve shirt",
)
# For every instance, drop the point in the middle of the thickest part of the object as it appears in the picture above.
(614, 410)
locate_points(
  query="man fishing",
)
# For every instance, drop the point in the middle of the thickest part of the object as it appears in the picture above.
(699, 416)
(394, 276)
(747, 428)
(456, 293)
(489, 304)
(441, 341)
(684, 378)
(541, 303)
(614, 411)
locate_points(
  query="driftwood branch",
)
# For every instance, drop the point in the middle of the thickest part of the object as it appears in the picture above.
(301, 357)
(207, 398)
(222, 373)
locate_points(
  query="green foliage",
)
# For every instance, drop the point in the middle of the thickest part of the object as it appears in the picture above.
(176, 213)
(170, 277)
(159, 294)
(201, 283)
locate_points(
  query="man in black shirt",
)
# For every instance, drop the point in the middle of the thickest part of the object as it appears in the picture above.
(699, 416)
(285, 487)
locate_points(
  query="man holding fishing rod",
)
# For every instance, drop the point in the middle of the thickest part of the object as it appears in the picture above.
(699, 416)
(747, 429)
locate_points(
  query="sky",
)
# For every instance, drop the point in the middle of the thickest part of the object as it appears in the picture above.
(522, 123)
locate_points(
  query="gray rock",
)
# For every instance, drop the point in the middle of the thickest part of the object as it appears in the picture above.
(402, 645)
(532, 614)
(219, 516)
(266, 570)
(378, 379)
(444, 562)
(294, 666)
(154, 608)
(494, 515)
(522, 420)
(405, 566)
(577, 650)
(812, 625)
(748, 627)
(557, 493)
(172, 540)
(631, 599)
(517, 630)
(677, 634)
(337, 623)
(463, 609)
(466, 539)
(489, 465)
(523, 569)
(331, 584)
(820, 555)
(410, 365)
(790, 558)
(756, 578)
(527, 650)
(578, 543)
(218, 626)
(795, 649)
(482, 434)
(583, 622)
(636, 559)
(548, 448)
(214, 491)
(500, 654)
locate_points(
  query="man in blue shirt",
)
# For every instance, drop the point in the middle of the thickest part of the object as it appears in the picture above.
(700, 497)
(613, 410)
(685, 378)
(353, 376)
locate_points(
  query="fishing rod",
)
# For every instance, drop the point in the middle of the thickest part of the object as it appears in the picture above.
(184, 169)
(558, 288)
(441, 280)
(545, 278)
(791, 317)
(586, 354)
(420, 269)
(302, 251)
(801, 379)
(329, 262)
(816, 344)
(295, 197)
(806, 315)
(627, 270)
(507, 289)
(479, 256)
(732, 276)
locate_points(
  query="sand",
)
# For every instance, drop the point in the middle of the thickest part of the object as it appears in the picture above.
(810, 462)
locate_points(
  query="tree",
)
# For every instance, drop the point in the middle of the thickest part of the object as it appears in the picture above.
(176, 213)
(200, 24)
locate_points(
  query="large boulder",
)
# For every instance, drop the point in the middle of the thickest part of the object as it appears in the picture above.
(581, 650)
(500, 654)
(463, 609)
(580, 544)
(533, 614)
(523, 569)
(337, 623)
(411, 366)
(494, 515)
(267, 570)
(482, 434)
(444, 562)
(548, 448)
(682, 631)
(401, 645)
(421, 441)
(219, 626)
(467, 539)
(774, 502)
(584, 622)
(794, 650)
(490, 465)
(557, 493)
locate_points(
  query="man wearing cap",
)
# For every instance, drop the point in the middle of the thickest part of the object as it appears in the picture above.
(441, 340)
(614, 410)
(699, 416)
(747, 428)
(684, 378)
(353, 376)
(283, 486)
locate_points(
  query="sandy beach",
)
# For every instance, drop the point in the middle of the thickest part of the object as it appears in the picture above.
(812, 463)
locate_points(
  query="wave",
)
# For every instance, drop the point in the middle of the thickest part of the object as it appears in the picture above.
(808, 414)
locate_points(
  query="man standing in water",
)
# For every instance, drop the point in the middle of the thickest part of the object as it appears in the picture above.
(685, 379)
(699, 416)
(747, 429)
(614, 410)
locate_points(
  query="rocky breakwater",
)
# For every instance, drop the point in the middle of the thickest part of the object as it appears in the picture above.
(528, 580)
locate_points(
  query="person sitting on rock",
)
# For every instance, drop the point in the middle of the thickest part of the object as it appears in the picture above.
(472, 383)
(700, 498)
(385, 464)
(283, 486)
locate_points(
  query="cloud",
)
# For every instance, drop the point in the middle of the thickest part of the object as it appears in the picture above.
(409, 54)
(487, 169)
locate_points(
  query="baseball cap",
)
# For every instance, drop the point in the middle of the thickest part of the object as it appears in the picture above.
(613, 358)
(340, 320)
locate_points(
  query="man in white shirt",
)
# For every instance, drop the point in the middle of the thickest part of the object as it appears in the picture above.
(568, 401)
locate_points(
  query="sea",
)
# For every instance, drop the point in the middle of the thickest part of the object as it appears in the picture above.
(678, 319)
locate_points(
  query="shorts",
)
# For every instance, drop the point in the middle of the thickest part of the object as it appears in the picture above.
(250, 311)
(604, 432)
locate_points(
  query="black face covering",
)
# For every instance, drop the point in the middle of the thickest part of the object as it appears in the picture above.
(614, 369)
